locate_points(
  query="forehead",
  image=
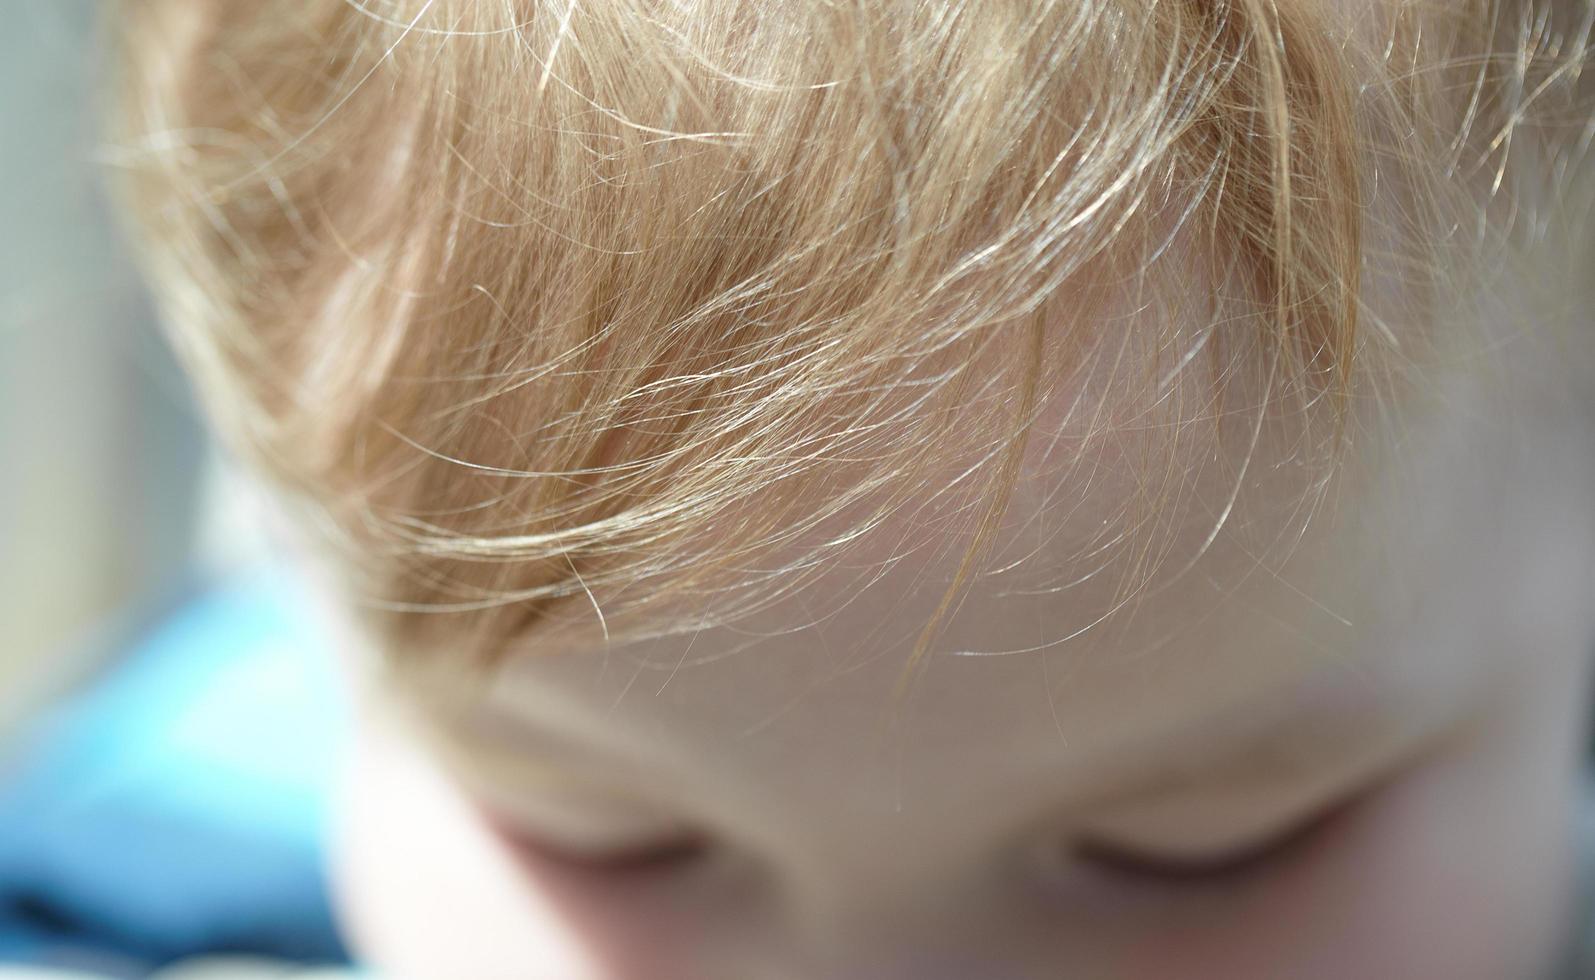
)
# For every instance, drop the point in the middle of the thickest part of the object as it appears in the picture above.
(1058, 678)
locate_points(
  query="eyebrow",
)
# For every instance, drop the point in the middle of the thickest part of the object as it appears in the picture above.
(494, 741)
(1284, 743)
(489, 741)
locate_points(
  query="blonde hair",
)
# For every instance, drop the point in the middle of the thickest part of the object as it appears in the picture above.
(538, 302)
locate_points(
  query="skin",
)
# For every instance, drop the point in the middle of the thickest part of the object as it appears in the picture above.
(1410, 659)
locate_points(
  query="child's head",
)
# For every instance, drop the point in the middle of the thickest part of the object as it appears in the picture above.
(913, 489)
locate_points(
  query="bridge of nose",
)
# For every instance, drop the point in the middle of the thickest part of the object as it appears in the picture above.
(919, 928)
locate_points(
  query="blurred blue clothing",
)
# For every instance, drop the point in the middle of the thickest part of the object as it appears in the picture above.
(176, 805)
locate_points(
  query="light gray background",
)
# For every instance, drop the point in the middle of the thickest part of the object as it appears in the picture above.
(98, 446)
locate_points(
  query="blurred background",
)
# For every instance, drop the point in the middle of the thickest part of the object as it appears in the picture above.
(102, 452)
(147, 637)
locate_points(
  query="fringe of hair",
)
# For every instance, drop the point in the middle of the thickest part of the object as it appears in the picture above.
(535, 303)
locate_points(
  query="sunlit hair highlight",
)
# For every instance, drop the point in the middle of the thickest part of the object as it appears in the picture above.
(626, 306)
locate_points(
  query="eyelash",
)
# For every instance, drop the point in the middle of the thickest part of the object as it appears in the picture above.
(652, 858)
(1234, 866)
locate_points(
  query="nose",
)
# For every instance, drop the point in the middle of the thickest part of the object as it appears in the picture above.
(881, 926)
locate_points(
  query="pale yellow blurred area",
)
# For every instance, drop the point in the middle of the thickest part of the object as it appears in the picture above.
(99, 449)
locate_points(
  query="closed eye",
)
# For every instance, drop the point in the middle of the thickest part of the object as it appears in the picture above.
(653, 857)
(1228, 866)
(675, 852)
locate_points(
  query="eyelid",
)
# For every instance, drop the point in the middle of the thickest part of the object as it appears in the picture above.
(671, 853)
(585, 843)
(1231, 864)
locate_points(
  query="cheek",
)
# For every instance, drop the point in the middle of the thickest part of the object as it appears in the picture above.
(1457, 870)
